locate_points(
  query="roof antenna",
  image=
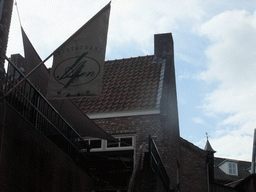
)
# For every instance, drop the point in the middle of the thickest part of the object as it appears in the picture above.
(18, 12)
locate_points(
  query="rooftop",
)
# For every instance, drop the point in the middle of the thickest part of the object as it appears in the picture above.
(128, 84)
(222, 177)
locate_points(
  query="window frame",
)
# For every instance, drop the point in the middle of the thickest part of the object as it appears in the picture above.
(232, 168)
(94, 139)
(104, 144)
(119, 147)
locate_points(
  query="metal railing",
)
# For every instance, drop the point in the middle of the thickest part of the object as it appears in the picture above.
(156, 163)
(24, 97)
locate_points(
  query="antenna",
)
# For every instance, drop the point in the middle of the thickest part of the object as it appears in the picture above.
(18, 12)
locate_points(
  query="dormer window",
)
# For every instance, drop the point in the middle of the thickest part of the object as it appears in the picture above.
(229, 167)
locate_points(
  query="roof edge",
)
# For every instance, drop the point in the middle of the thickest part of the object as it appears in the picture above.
(123, 113)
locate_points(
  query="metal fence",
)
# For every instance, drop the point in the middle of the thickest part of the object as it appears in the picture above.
(156, 163)
(24, 97)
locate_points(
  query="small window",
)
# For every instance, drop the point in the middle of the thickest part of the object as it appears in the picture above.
(121, 143)
(232, 168)
(94, 143)
(112, 144)
(124, 142)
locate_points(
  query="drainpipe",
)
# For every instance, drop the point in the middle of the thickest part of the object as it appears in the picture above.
(253, 152)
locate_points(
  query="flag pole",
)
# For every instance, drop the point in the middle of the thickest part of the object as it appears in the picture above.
(26, 76)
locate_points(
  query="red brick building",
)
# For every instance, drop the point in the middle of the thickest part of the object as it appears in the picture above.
(139, 100)
(138, 106)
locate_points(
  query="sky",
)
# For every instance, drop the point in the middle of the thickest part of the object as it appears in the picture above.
(214, 52)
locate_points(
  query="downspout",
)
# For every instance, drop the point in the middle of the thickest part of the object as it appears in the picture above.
(208, 179)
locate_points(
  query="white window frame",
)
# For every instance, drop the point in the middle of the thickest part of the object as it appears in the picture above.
(105, 142)
(232, 168)
(119, 143)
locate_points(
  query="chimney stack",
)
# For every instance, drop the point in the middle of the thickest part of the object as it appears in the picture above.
(163, 45)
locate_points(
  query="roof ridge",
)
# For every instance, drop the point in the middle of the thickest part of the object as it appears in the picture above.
(228, 159)
(129, 58)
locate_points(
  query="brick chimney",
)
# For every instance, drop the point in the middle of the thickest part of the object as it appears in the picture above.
(168, 105)
(163, 45)
(164, 50)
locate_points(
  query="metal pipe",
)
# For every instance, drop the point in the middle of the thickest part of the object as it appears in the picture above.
(253, 152)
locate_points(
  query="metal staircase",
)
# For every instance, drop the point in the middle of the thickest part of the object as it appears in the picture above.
(21, 95)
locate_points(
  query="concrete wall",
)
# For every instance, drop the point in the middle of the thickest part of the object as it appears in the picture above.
(31, 162)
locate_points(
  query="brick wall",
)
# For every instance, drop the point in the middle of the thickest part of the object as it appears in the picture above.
(142, 127)
(31, 162)
(169, 107)
(193, 168)
(4, 31)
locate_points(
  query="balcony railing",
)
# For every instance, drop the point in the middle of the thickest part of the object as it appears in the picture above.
(24, 97)
(156, 163)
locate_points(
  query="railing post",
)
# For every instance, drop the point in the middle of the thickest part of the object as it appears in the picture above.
(150, 150)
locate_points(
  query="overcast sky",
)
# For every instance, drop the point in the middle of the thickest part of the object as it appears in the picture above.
(215, 56)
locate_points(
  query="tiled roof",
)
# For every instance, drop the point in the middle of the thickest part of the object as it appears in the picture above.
(128, 84)
(222, 177)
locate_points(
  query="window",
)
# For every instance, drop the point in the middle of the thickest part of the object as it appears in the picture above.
(232, 168)
(229, 167)
(123, 143)
(95, 143)
(111, 144)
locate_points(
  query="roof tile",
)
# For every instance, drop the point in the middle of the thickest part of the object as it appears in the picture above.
(128, 84)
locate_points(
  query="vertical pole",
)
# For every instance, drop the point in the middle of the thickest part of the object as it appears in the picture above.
(253, 152)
